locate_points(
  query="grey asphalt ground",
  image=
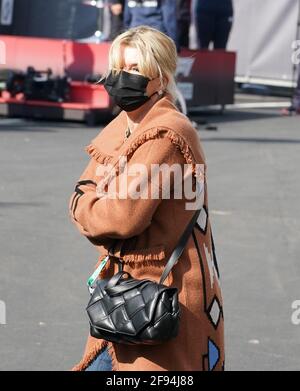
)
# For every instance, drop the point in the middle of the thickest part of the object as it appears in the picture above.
(254, 187)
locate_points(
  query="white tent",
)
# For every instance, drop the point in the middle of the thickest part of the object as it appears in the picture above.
(262, 36)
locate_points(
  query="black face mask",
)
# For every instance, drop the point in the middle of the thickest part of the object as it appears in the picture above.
(128, 90)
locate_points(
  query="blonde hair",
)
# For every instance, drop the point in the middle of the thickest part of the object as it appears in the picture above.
(157, 54)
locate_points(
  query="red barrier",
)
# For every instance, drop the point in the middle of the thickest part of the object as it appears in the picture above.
(79, 59)
(204, 77)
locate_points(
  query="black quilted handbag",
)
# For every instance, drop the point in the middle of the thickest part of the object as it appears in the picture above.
(131, 311)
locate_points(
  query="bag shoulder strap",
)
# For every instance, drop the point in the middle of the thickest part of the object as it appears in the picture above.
(180, 247)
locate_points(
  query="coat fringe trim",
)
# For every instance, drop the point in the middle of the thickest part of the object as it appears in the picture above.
(144, 255)
(100, 157)
(89, 358)
(150, 134)
(137, 258)
(133, 264)
(92, 355)
(159, 132)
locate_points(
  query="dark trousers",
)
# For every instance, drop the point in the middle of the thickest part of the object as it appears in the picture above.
(214, 28)
(101, 363)
(183, 30)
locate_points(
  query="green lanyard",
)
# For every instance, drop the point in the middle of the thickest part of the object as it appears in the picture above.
(96, 273)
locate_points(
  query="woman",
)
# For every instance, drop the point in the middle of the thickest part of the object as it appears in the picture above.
(143, 231)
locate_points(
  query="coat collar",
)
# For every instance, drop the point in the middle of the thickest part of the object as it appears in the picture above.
(163, 119)
(111, 140)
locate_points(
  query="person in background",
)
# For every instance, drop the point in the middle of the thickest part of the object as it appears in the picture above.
(116, 17)
(183, 23)
(214, 22)
(295, 104)
(159, 14)
(296, 98)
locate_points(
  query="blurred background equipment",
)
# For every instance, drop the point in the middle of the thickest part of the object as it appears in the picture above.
(81, 65)
(72, 38)
(38, 85)
(67, 19)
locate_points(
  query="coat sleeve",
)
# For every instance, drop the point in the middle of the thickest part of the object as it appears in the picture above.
(128, 215)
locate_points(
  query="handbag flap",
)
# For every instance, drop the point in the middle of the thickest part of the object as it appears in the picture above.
(128, 312)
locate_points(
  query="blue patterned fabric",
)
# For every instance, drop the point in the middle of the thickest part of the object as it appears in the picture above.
(101, 363)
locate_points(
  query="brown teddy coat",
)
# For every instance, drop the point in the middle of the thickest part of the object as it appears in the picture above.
(146, 232)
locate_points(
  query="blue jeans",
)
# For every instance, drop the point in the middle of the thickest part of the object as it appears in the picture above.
(101, 363)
